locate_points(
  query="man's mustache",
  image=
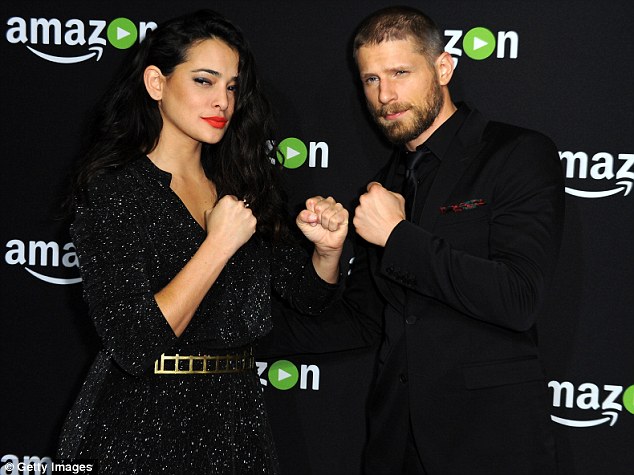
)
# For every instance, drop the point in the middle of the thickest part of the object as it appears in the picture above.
(392, 108)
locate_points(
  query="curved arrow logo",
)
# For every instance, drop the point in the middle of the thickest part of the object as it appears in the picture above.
(97, 51)
(54, 280)
(611, 417)
(626, 187)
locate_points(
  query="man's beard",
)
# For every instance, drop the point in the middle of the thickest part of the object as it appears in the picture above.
(422, 117)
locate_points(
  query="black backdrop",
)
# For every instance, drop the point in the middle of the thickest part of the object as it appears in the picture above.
(563, 67)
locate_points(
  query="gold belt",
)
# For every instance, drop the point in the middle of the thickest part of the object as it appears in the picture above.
(205, 364)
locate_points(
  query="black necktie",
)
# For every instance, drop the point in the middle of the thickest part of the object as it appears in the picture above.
(410, 184)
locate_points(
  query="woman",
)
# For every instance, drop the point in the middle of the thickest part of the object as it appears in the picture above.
(181, 238)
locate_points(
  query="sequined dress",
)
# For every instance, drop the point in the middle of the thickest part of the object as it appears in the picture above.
(132, 237)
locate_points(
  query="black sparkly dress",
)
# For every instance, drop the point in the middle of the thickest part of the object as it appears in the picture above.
(132, 237)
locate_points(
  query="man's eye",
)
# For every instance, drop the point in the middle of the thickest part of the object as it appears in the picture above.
(371, 80)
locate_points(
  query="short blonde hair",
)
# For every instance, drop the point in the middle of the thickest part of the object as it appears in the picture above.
(400, 23)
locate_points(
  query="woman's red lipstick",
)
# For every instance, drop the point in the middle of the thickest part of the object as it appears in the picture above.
(216, 121)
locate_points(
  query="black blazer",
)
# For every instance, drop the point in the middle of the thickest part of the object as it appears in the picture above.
(455, 296)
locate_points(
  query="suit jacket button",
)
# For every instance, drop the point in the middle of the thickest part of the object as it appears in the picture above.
(403, 378)
(411, 319)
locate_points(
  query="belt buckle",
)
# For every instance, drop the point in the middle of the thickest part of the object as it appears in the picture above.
(200, 364)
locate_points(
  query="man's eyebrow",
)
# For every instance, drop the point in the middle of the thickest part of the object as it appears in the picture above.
(391, 69)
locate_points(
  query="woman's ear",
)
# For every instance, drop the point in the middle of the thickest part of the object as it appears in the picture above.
(154, 80)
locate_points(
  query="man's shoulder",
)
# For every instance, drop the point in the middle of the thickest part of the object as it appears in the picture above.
(502, 133)
(476, 123)
(497, 128)
(519, 150)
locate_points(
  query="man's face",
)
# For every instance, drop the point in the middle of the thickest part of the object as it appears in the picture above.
(401, 89)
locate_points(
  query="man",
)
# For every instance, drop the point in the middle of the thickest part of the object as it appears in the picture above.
(459, 388)
(455, 283)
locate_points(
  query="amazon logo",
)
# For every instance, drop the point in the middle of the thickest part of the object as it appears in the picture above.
(285, 375)
(74, 40)
(480, 43)
(604, 404)
(44, 260)
(598, 176)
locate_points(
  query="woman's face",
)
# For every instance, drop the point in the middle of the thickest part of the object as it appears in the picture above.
(198, 99)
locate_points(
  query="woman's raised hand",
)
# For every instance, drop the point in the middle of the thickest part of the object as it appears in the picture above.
(230, 223)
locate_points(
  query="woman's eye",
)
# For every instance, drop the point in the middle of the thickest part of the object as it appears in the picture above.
(202, 80)
(232, 88)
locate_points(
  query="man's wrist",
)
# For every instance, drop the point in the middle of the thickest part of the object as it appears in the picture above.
(390, 231)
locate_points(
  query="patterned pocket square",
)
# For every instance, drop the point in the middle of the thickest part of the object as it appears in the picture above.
(464, 206)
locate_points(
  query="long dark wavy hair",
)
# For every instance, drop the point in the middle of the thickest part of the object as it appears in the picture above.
(126, 122)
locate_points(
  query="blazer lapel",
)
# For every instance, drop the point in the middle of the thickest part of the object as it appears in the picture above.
(465, 146)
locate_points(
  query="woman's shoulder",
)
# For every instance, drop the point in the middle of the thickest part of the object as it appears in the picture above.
(117, 183)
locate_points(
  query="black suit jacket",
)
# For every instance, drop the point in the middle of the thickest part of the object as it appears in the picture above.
(455, 296)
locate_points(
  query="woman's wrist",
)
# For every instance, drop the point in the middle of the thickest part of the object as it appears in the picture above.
(327, 265)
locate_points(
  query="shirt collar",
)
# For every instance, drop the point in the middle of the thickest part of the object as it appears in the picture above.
(440, 140)
(147, 168)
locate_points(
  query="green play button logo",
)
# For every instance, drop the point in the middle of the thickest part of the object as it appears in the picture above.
(479, 43)
(283, 375)
(122, 33)
(292, 153)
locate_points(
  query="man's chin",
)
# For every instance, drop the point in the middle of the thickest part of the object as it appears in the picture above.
(395, 134)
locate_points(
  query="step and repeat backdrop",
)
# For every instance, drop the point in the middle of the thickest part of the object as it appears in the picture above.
(564, 68)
